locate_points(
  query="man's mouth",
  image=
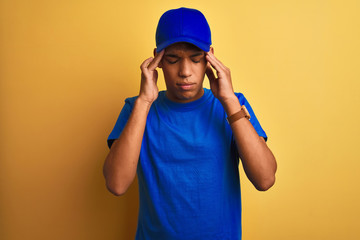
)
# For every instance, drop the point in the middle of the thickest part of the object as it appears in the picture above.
(185, 86)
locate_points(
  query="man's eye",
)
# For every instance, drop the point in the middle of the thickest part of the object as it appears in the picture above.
(171, 61)
(196, 60)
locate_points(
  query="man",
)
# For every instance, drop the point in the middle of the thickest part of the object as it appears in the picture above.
(184, 143)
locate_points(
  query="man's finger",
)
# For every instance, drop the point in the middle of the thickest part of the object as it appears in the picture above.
(215, 62)
(145, 63)
(155, 63)
(209, 73)
(215, 58)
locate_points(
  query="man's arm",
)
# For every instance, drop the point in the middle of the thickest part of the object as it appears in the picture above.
(121, 162)
(258, 161)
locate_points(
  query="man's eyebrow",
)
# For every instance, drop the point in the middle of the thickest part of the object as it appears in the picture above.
(172, 55)
(197, 54)
(176, 56)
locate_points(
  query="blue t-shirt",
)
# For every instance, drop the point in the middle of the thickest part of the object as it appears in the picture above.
(188, 175)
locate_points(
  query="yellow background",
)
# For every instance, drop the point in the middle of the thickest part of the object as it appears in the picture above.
(67, 66)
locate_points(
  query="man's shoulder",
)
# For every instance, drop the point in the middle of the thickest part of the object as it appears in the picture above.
(239, 95)
(131, 100)
(208, 91)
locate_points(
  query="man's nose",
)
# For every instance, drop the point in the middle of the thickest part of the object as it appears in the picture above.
(185, 68)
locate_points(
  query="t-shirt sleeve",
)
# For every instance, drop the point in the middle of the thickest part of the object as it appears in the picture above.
(121, 121)
(254, 121)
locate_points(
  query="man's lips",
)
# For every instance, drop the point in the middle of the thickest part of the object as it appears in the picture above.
(185, 86)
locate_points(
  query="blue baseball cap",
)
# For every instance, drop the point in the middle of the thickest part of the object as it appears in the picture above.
(183, 25)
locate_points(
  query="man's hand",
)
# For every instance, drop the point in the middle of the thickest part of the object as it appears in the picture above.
(221, 86)
(149, 76)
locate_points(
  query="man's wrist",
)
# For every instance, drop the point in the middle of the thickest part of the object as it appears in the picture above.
(143, 104)
(231, 105)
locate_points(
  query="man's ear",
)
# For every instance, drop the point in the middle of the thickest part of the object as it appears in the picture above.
(160, 63)
(211, 50)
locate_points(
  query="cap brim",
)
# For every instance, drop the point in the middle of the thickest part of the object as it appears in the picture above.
(203, 46)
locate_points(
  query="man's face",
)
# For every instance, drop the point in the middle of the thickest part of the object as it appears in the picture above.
(184, 66)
